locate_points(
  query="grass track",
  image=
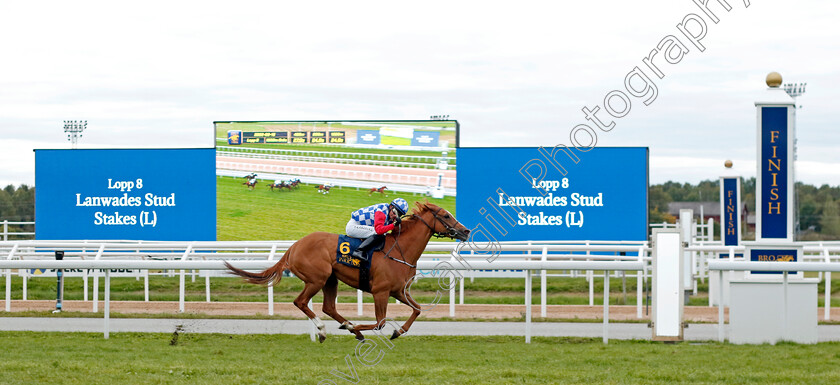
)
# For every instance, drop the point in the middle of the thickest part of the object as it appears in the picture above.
(143, 358)
(262, 214)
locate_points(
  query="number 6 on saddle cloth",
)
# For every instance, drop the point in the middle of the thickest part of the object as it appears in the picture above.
(343, 255)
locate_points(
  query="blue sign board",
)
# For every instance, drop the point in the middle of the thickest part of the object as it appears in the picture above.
(773, 255)
(730, 211)
(516, 194)
(136, 194)
(425, 139)
(773, 164)
(367, 137)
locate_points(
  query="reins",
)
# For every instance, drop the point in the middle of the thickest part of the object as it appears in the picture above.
(396, 244)
(449, 228)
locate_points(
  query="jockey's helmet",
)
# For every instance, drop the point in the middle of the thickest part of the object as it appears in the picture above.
(401, 205)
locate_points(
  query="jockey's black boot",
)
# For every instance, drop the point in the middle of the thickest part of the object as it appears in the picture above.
(366, 245)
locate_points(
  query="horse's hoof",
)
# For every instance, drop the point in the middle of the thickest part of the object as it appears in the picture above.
(343, 326)
(395, 335)
(360, 337)
(321, 338)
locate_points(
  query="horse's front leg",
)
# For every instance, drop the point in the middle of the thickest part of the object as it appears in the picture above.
(415, 311)
(380, 306)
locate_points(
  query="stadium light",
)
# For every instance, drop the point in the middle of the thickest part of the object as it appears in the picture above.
(74, 130)
(794, 89)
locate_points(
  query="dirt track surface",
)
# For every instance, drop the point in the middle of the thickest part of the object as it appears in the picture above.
(616, 312)
(339, 170)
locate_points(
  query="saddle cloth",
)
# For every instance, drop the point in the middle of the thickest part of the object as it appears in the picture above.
(346, 246)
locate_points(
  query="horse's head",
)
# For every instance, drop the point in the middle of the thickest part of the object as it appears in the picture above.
(440, 221)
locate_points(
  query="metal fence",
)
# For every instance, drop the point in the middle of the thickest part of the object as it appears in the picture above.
(97, 258)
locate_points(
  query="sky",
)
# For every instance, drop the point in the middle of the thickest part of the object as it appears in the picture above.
(158, 73)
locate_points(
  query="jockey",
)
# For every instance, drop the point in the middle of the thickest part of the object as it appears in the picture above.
(252, 178)
(373, 222)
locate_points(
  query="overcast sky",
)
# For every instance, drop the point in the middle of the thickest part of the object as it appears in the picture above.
(158, 73)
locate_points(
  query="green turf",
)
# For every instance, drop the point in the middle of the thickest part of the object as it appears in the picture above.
(262, 214)
(184, 358)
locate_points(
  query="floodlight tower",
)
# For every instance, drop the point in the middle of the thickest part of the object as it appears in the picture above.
(74, 130)
(795, 89)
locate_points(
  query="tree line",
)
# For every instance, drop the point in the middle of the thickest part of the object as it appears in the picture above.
(17, 204)
(818, 208)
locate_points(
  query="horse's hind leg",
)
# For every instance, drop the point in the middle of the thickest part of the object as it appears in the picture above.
(302, 302)
(330, 294)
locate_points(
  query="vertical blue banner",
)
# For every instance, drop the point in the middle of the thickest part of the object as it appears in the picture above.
(730, 211)
(773, 164)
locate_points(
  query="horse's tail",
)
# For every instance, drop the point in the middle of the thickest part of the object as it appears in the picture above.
(270, 276)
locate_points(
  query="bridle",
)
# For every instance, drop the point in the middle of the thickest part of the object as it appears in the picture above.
(451, 231)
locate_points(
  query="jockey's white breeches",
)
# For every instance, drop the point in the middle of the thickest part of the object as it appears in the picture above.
(356, 230)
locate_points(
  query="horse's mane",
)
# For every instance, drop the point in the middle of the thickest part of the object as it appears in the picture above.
(419, 209)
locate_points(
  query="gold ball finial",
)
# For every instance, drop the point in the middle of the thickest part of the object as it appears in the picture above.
(727, 164)
(774, 79)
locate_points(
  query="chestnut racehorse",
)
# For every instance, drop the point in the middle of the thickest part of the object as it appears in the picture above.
(380, 190)
(313, 260)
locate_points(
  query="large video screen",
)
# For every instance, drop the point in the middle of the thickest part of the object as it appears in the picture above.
(132, 194)
(286, 179)
(518, 195)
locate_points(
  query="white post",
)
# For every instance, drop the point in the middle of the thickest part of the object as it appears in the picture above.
(23, 275)
(527, 306)
(785, 302)
(591, 276)
(85, 284)
(451, 297)
(8, 289)
(271, 300)
(461, 297)
(606, 305)
(181, 291)
(543, 284)
(827, 303)
(271, 255)
(9, 279)
(359, 302)
(182, 279)
(720, 302)
(145, 285)
(96, 279)
(207, 285)
(107, 301)
(95, 290)
(640, 276)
